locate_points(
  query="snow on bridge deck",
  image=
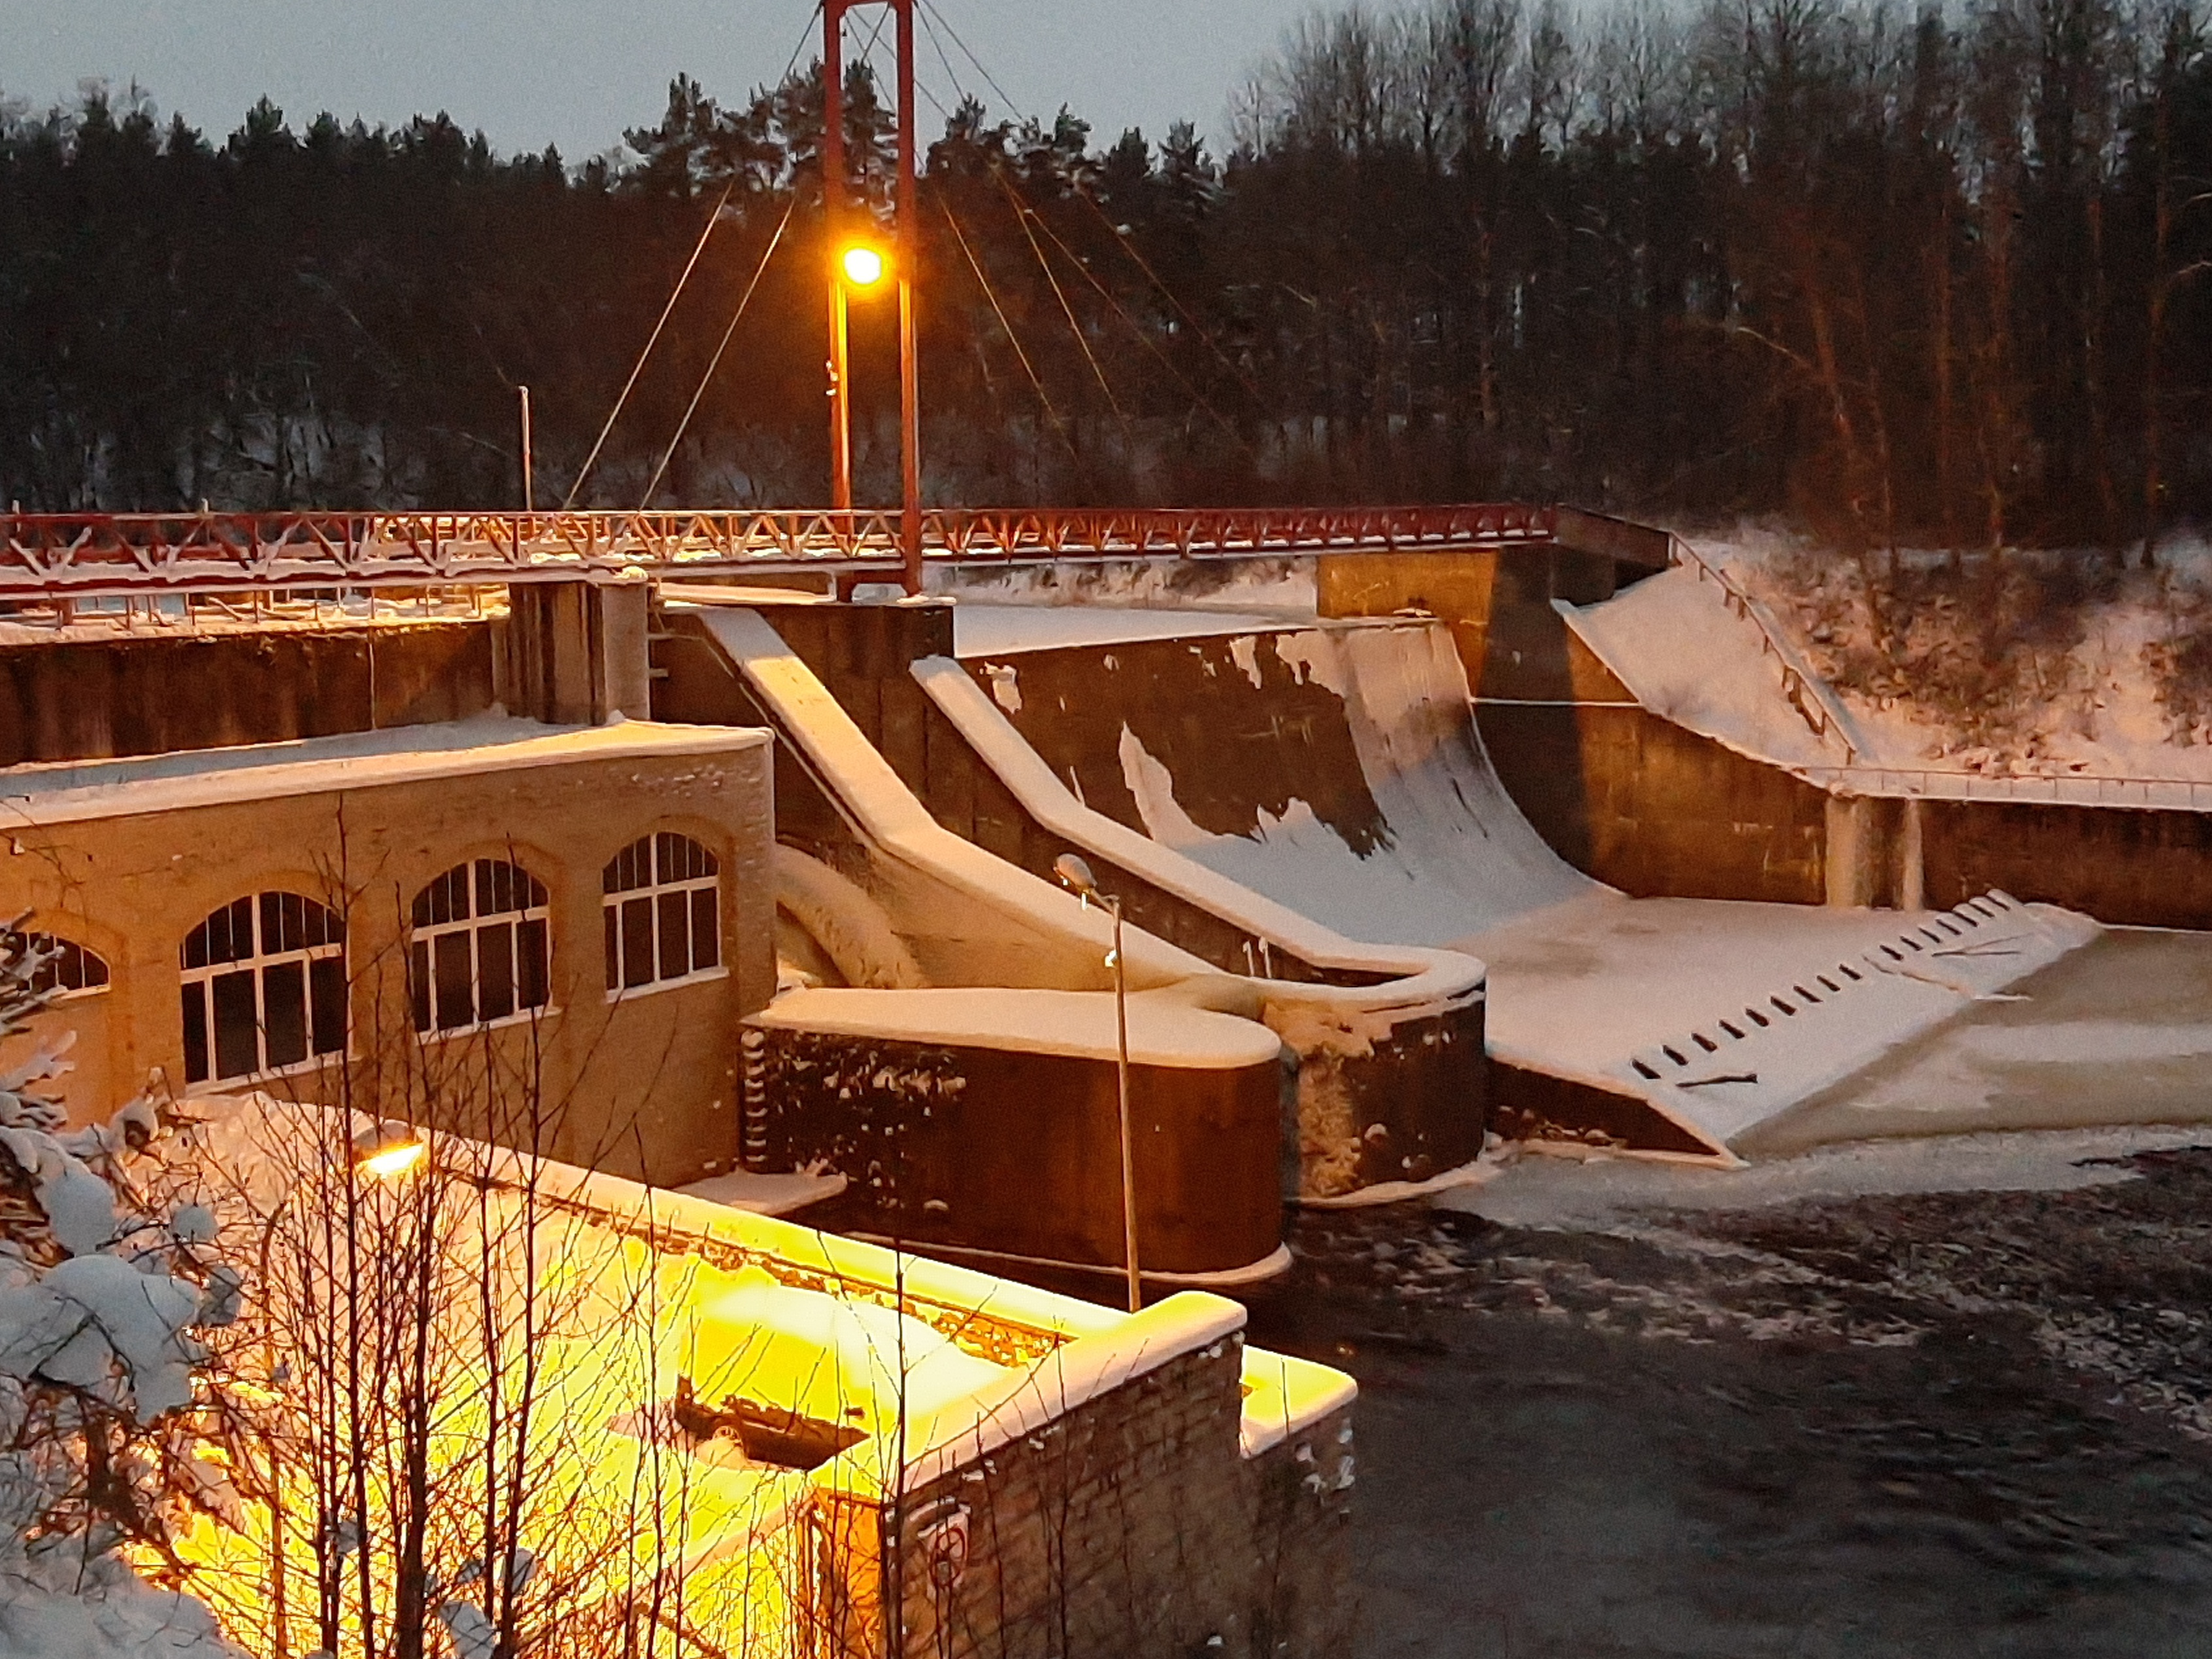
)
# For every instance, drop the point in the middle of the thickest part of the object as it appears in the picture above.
(57, 556)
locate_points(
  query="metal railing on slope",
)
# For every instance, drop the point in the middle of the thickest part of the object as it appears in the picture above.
(57, 556)
(1806, 694)
(1815, 702)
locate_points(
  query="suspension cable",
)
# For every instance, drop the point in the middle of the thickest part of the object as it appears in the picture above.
(714, 362)
(930, 10)
(713, 219)
(1135, 327)
(1128, 246)
(1066, 310)
(638, 367)
(1013, 339)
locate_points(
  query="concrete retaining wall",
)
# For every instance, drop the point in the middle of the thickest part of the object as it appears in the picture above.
(1409, 1109)
(1018, 1155)
(1645, 805)
(95, 699)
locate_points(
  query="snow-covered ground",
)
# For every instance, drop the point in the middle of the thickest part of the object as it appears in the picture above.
(1557, 1192)
(2052, 666)
(1283, 586)
(984, 629)
(112, 1615)
(1725, 1015)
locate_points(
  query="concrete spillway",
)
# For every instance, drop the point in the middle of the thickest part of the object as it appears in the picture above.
(1336, 769)
(947, 1038)
(1332, 769)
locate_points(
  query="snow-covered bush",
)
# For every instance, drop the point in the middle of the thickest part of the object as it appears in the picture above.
(106, 1431)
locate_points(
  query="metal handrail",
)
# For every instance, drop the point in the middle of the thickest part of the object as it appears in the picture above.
(1810, 698)
(64, 555)
(1804, 692)
(2033, 788)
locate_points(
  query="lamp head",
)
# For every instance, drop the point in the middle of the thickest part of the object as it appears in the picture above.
(862, 266)
(389, 1151)
(1074, 874)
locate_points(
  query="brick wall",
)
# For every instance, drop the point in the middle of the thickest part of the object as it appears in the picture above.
(1134, 1527)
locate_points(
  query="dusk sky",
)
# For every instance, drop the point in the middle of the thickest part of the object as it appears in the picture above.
(577, 72)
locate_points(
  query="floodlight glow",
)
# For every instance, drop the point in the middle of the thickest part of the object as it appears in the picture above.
(387, 1162)
(863, 265)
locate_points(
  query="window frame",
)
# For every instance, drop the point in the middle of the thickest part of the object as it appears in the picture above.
(537, 906)
(37, 938)
(256, 966)
(653, 891)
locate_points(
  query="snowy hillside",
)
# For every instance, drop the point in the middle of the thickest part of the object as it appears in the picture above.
(2030, 663)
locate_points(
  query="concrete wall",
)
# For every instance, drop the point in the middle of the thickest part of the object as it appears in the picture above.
(1625, 796)
(1656, 811)
(1422, 1084)
(1640, 803)
(88, 699)
(1018, 1154)
(1132, 1527)
(645, 1086)
(2149, 869)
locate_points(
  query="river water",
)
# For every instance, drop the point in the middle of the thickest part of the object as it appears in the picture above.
(1909, 1423)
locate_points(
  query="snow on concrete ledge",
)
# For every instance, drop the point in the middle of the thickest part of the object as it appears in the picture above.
(1761, 1006)
(1424, 982)
(1163, 1031)
(899, 827)
(74, 791)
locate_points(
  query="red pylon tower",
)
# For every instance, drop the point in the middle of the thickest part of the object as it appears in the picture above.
(903, 261)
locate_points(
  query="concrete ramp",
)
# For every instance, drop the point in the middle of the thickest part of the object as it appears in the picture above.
(1332, 769)
(1719, 1017)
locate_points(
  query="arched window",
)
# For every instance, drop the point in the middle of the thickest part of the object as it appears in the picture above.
(664, 912)
(67, 971)
(480, 951)
(264, 988)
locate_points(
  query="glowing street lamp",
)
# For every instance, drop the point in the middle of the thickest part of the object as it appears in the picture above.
(1074, 874)
(391, 1152)
(863, 266)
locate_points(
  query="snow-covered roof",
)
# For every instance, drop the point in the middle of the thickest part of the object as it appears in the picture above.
(75, 791)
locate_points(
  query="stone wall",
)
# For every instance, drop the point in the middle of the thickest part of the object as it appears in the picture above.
(1134, 1526)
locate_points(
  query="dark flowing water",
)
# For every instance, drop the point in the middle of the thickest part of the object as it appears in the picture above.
(1948, 1425)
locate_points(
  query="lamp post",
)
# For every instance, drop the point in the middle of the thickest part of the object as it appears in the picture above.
(842, 275)
(386, 1152)
(1075, 875)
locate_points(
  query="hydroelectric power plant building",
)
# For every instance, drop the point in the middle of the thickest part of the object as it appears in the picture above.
(753, 882)
(641, 846)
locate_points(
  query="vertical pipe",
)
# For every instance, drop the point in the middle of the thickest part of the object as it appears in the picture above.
(841, 403)
(522, 394)
(833, 206)
(1129, 1131)
(909, 251)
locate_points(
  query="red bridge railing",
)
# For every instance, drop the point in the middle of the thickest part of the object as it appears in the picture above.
(62, 555)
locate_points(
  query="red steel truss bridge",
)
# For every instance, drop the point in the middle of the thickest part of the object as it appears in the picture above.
(63, 555)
